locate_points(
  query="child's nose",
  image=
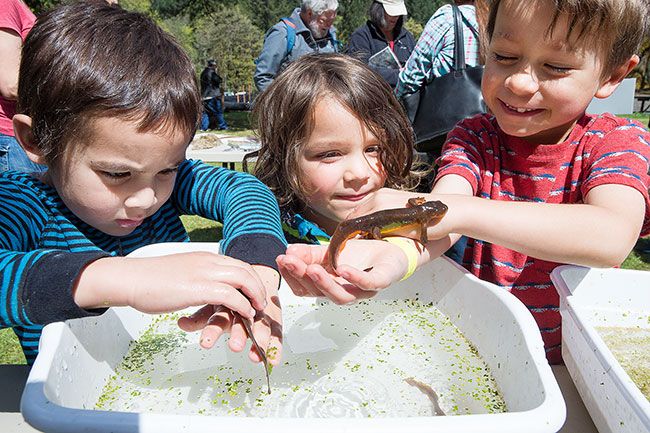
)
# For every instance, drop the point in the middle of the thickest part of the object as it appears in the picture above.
(357, 169)
(523, 82)
(142, 198)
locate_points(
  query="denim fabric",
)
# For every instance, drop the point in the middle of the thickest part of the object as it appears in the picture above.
(13, 157)
(457, 250)
(212, 108)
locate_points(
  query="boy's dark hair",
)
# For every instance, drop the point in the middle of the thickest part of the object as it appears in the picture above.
(617, 27)
(283, 116)
(88, 60)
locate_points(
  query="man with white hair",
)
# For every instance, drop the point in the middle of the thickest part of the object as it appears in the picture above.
(309, 29)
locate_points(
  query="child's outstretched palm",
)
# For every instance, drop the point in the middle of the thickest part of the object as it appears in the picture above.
(305, 269)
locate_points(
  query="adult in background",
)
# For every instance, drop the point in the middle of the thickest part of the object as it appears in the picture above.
(433, 55)
(213, 97)
(16, 20)
(383, 30)
(309, 29)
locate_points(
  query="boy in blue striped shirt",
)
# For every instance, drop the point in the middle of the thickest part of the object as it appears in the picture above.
(109, 102)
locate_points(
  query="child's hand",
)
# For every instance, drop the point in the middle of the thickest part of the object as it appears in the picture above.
(172, 282)
(215, 320)
(304, 269)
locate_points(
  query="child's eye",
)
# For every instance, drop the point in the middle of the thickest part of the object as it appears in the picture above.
(115, 175)
(499, 58)
(558, 69)
(329, 154)
(169, 171)
(373, 149)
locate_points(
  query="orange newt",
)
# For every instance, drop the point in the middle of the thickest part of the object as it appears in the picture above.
(418, 214)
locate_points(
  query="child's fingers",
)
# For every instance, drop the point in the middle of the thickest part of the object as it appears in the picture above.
(262, 332)
(274, 350)
(238, 336)
(197, 320)
(335, 289)
(293, 272)
(307, 253)
(376, 279)
(226, 295)
(215, 327)
(246, 280)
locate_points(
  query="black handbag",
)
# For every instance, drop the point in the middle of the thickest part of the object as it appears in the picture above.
(446, 100)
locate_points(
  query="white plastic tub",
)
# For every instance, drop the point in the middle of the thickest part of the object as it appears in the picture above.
(77, 357)
(591, 298)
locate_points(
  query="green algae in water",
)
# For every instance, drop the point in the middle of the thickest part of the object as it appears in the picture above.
(631, 348)
(349, 361)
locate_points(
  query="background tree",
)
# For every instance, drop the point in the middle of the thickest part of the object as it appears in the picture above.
(421, 10)
(229, 37)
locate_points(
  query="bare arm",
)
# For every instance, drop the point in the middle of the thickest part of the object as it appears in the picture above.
(10, 45)
(170, 283)
(601, 232)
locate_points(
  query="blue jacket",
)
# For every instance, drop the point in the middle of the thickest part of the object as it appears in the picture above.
(275, 56)
(368, 40)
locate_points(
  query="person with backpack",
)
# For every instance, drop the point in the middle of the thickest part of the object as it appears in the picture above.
(213, 97)
(309, 29)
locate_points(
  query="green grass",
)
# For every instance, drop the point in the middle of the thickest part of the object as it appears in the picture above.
(203, 230)
(239, 124)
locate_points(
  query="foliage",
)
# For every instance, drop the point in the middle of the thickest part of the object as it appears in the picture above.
(265, 13)
(421, 10)
(40, 6)
(181, 28)
(414, 27)
(142, 6)
(351, 15)
(228, 36)
(642, 71)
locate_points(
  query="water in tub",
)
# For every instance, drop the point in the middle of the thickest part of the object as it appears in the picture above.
(631, 348)
(350, 361)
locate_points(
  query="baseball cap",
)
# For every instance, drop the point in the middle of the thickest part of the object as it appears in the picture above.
(394, 7)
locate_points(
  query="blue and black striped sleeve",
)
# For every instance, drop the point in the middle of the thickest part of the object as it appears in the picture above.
(252, 231)
(35, 283)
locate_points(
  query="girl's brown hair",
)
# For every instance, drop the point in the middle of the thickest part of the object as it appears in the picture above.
(283, 116)
(90, 59)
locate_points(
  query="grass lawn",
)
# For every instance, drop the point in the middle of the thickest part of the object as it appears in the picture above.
(202, 230)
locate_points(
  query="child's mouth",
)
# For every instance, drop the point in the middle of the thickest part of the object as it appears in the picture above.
(357, 197)
(127, 224)
(519, 111)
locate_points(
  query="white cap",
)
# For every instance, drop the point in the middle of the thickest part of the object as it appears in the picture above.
(394, 7)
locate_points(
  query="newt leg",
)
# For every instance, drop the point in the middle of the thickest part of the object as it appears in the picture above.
(375, 233)
(424, 238)
(415, 201)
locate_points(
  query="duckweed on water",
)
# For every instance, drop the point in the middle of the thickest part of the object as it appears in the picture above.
(359, 372)
(631, 348)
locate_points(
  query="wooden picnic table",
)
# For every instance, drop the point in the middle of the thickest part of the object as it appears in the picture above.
(643, 98)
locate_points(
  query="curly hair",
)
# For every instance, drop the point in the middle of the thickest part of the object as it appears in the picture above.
(283, 116)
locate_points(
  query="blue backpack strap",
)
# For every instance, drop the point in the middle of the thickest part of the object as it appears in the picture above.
(291, 33)
(335, 42)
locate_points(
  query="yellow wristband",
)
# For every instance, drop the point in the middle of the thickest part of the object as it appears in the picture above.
(410, 249)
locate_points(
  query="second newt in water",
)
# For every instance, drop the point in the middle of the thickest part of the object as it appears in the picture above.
(419, 214)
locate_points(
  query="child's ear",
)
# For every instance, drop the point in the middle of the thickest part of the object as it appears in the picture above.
(610, 84)
(24, 135)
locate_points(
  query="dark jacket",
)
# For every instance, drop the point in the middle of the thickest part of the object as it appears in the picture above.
(368, 40)
(210, 84)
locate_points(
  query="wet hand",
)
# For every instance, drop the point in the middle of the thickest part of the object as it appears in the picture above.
(365, 266)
